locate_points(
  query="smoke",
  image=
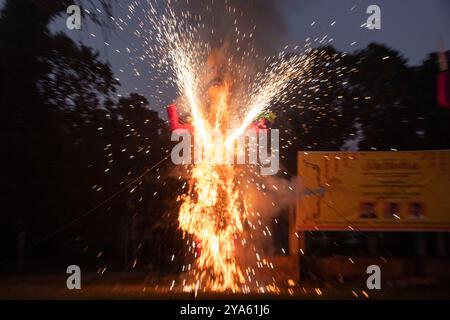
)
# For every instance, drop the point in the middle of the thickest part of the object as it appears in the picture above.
(261, 18)
(269, 197)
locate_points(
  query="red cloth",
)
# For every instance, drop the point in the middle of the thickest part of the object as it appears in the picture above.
(443, 89)
(175, 121)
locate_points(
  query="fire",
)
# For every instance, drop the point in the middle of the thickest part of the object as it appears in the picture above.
(211, 210)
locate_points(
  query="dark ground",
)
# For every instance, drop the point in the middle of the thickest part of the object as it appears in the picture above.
(144, 286)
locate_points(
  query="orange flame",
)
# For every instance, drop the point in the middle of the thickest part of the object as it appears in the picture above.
(211, 210)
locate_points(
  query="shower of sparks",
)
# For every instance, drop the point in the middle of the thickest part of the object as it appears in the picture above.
(212, 211)
(219, 213)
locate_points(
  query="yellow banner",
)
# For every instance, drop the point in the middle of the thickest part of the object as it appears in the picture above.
(374, 190)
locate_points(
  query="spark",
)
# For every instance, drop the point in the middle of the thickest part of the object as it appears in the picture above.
(217, 212)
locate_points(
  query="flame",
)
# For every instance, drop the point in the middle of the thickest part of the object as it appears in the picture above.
(211, 213)
(211, 210)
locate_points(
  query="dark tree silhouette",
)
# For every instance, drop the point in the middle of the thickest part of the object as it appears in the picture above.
(70, 143)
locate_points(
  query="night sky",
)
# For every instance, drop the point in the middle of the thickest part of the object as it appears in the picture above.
(413, 27)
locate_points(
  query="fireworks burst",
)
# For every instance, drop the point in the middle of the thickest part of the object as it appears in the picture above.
(212, 210)
(224, 84)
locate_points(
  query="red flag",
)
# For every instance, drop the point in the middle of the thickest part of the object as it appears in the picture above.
(443, 89)
(175, 121)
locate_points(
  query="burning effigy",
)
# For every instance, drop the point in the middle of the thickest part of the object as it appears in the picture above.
(226, 90)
